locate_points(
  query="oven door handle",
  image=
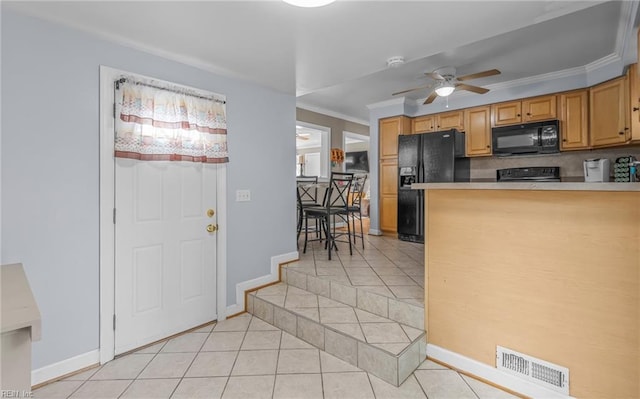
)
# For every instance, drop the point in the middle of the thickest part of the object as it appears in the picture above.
(540, 137)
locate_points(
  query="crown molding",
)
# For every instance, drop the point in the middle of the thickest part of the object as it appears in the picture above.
(330, 113)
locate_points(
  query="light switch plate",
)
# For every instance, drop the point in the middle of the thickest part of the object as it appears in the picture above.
(243, 195)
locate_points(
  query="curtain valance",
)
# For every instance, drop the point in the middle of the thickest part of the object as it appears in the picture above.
(161, 124)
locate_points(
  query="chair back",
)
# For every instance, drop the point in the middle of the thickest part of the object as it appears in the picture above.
(358, 190)
(339, 189)
(307, 194)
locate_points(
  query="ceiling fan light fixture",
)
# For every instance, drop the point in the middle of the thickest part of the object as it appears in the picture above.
(309, 3)
(445, 89)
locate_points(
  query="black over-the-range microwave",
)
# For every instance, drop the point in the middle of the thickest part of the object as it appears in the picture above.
(526, 138)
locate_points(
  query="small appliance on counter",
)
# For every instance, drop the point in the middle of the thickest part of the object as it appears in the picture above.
(530, 174)
(623, 169)
(596, 170)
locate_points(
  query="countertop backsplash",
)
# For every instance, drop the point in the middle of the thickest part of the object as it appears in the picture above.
(570, 162)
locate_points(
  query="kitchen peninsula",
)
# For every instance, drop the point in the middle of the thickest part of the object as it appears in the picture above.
(551, 270)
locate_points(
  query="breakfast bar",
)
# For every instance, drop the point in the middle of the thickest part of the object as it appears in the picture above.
(550, 270)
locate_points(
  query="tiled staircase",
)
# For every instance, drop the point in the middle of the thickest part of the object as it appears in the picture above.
(381, 335)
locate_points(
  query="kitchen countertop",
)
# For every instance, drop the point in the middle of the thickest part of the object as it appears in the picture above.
(19, 308)
(622, 187)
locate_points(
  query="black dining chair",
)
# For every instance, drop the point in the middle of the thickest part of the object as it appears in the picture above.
(355, 207)
(307, 196)
(335, 208)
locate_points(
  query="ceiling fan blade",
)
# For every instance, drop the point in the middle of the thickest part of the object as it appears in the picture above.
(435, 75)
(415, 88)
(478, 75)
(475, 89)
(430, 99)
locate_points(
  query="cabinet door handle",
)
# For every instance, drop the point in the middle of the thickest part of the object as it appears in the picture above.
(518, 115)
(528, 114)
(488, 146)
(635, 109)
(621, 133)
(564, 139)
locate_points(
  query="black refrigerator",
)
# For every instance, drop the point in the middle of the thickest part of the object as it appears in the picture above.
(426, 158)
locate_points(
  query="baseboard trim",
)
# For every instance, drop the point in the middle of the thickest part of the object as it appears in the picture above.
(52, 372)
(374, 232)
(272, 277)
(485, 372)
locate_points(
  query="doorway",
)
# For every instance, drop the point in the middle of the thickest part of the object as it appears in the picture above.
(147, 285)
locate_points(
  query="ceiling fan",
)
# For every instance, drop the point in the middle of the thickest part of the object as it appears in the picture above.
(446, 82)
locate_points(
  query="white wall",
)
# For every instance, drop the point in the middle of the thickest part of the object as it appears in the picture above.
(50, 161)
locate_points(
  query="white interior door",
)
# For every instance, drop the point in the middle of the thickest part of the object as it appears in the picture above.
(165, 259)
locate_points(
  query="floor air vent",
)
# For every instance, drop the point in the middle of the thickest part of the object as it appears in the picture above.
(535, 370)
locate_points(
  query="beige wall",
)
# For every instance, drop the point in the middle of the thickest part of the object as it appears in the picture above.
(337, 125)
(552, 274)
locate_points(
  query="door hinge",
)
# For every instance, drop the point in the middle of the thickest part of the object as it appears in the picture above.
(114, 322)
(114, 215)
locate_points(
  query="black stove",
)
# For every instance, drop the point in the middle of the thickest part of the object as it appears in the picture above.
(531, 174)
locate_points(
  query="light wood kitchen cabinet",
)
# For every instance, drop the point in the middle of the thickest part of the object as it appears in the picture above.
(574, 120)
(505, 114)
(389, 129)
(423, 124)
(634, 100)
(450, 120)
(529, 110)
(609, 119)
(389, 195)
(477, 122)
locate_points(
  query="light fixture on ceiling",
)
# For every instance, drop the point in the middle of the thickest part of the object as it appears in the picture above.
(445, 88)
(309, 3)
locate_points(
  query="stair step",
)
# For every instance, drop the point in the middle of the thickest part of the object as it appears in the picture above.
(384, 347)
(362, 298)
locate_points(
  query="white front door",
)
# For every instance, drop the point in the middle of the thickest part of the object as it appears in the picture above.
(165, 259)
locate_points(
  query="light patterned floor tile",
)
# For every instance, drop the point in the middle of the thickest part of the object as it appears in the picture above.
(261, 340)
(200, 388)
(101, 389)
(290, 342)
(486, 391)
(296, 386)
(156, 389)
(337, 315)
(238, 323)
(347, 385)
(254, 387)
(409, 389)
(443, 384)
(223, 341)
(384, 333)
(299, 361)
(83, 376)
(168, 365)
(331, 364)
(185, 343)
(60, 389)
(212, 364)
(259, 325)
(255, 362)
(124, 368)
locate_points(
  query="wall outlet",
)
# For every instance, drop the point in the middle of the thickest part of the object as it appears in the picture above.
(243, 195)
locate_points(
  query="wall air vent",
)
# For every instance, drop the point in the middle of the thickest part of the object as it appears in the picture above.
(535, 370)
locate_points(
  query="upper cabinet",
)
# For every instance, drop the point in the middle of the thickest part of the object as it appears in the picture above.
(389, 129)
(609, 116)
(530, 110)
(634, 100)
(450, 120)
(423, 124)
(574, 120)
(478, 131)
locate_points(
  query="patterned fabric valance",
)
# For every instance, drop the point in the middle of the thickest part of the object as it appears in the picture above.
(167, 125)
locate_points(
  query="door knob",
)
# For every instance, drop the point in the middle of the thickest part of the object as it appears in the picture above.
(210, 212)
(211, 228)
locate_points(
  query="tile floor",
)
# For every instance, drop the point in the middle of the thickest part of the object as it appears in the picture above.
(244, 357)
(386, 266)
